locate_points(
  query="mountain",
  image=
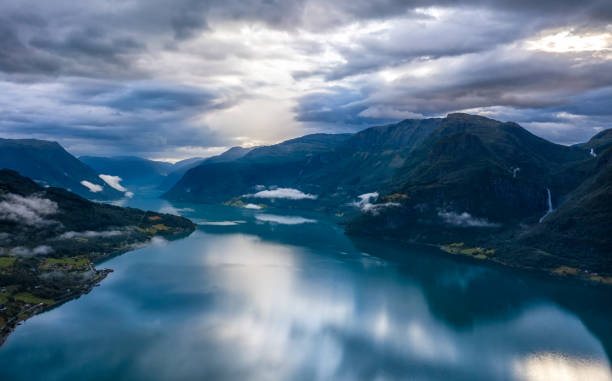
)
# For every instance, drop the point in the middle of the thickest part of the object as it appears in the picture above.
(179, 169)
(332, 167)
(231, 154)
(468, 184)
(49, 164)
(50, 239)
(186, 164)
(134, 171)
(366, 159)
(599, 142)
(276, 165)
(486, 168)
(580, 228)
(487, 189)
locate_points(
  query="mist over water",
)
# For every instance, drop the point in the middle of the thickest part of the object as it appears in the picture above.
(264, 299)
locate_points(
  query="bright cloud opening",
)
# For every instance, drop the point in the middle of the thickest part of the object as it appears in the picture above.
(568, 42)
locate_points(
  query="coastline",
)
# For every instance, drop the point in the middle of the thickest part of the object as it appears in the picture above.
(11, 325)
(86, 287)
(487, 255)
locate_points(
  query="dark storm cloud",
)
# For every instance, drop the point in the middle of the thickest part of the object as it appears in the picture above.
(340, 106)
(534, 80)
(15, 56)
(533, 88)
(87, 73)
(101, 117)
(410, 40)
(163, 98)
(88, 42)
(597, 103)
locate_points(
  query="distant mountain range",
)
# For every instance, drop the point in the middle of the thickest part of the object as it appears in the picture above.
(138, 172)
(97, 177)
(51, 165)
(134, 171)
(179, 168)
(471, 185)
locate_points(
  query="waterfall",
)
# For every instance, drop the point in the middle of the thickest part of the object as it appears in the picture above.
(593, 153)
(550, 207)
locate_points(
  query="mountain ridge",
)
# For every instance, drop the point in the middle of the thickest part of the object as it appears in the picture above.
(50, 164)
(473, 182)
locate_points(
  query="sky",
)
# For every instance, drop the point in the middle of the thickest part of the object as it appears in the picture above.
(175, 79)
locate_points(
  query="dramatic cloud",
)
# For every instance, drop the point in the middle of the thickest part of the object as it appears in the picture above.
(194, 77)
(466, 220)
(252, 206)
(284, 220)
(286, 193)
(31, 210)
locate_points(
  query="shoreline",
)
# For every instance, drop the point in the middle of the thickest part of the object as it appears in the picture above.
(11, 325)
(561, 272)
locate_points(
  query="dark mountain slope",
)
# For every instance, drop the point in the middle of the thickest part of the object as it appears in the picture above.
(134, 171)
(367, 159)
(276, 165)
(486, 168)
(334, 167)
(295, 149)
(49, 164)
(179, 169)
(599, 142)
(580, 228)
(469, 184)
(186, 163)
(460, 189)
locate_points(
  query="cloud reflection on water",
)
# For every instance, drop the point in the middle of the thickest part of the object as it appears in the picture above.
(284, 315)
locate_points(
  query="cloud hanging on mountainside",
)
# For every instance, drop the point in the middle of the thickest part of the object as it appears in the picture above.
(113, 181)
(283, 193)
(93, 188)
(466, 220)
(31, 210)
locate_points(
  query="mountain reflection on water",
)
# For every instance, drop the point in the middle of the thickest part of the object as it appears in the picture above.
(291, 297)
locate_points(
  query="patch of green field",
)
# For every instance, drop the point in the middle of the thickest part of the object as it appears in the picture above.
(69, 262)
(236, 201)
(566, 270)
(155, 228)
(601, 279)
(474, 252)
(26, 297)
(6, 262)
(396, 197)
(2, 322)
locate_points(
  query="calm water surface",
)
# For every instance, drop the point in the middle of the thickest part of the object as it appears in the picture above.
(271, 295)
